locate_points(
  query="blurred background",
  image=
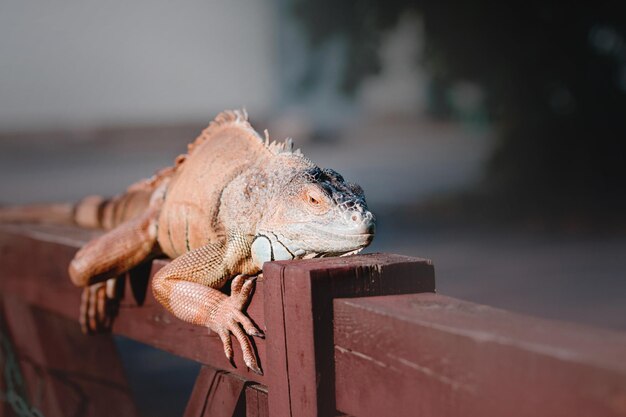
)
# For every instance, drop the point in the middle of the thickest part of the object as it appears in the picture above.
(489, 137)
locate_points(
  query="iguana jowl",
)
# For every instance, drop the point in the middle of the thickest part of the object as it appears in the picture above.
(232, 203)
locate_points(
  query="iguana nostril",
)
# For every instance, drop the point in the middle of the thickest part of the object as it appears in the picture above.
(355, 218)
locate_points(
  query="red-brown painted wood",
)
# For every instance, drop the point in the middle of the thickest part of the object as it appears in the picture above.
(65, 373)
(299, 318)
(217, 394)
(429, 355)
(34, 261)
(45, 283)
(300, 299)
(198, 399)
(256, 401)
(327, 350)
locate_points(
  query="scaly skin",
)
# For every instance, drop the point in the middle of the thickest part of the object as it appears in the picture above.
(232, 203)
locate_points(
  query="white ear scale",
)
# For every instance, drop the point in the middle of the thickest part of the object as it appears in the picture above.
(281, 253)
(261, 251)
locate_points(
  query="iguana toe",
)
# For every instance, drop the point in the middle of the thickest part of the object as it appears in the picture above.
(228, 318)
(254, 368)
(237, 283)
(228, 345)
(99, 306)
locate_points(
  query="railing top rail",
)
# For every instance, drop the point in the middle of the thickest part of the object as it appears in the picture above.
(330, 336)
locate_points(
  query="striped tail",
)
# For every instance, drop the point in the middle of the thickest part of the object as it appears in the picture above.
(61, 213)
(86, 213)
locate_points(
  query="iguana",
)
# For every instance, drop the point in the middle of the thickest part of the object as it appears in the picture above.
(233, 202)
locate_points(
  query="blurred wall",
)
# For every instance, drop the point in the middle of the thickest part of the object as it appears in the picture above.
(83, 63)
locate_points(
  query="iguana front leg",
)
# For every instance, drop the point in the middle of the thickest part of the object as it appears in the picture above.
(187, 287)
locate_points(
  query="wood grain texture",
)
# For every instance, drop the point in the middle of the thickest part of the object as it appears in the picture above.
(334, 345)
(34, 262)
(46, 284)
(299, 317)
(217, 394)
(66, 373)
(256, 401)
(431, 355)
(298, 303)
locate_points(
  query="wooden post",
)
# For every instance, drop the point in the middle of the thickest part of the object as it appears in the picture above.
(256, 401)
(216, 394)
(299, 318)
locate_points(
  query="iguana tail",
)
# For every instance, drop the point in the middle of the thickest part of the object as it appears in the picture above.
(92, 212)
(61, 213)
(85, 213)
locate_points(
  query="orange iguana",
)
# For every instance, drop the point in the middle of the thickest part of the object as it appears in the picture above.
(233, 202)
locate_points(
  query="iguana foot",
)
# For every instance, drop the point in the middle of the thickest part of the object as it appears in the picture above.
(99, 306)
(229, 318)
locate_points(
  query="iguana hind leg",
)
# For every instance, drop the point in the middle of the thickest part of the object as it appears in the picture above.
(115, 252)
(104, 259)
(100, 304)
(188, 287)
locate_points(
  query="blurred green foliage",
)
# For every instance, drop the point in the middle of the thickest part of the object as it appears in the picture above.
(553, 75)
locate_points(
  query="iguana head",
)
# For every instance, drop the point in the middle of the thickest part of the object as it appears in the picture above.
(316, 213)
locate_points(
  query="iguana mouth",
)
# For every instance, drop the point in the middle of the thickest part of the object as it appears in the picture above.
(331, 254)
(336, 242)
(354, 252)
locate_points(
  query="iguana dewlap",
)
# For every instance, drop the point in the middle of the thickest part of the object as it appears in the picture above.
(232, 203)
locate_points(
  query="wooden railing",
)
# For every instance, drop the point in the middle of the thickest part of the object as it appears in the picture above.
(362, 336)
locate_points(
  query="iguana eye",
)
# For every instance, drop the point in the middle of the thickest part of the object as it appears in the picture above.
(315, 200)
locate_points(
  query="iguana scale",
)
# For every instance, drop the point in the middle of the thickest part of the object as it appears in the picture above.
(233, 202)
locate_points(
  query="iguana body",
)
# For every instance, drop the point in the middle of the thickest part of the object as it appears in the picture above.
(232, 203)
